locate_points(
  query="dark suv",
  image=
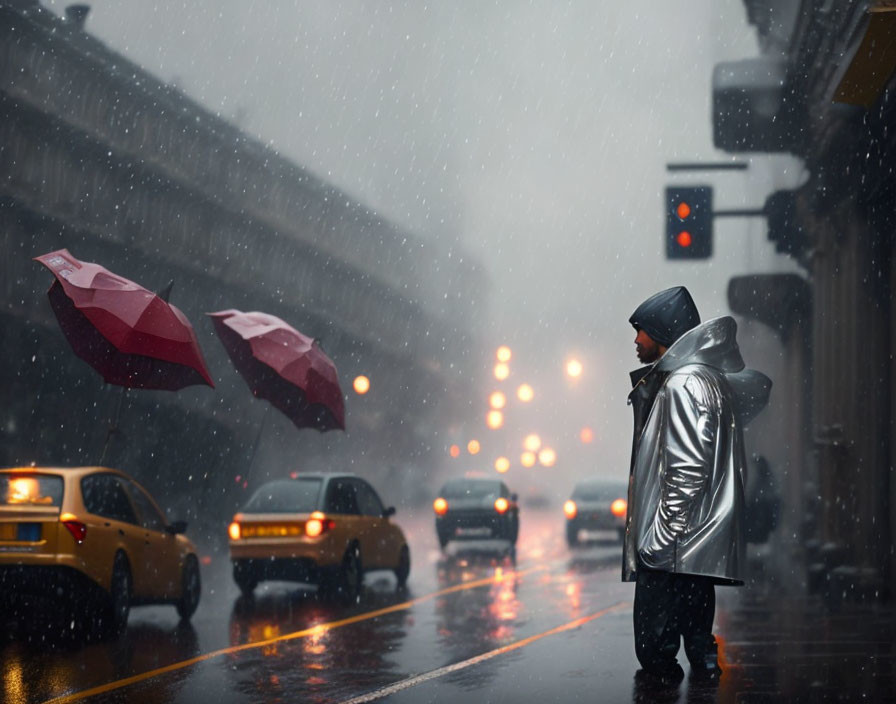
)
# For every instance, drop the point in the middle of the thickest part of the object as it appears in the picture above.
(476, 509)
(596, 506)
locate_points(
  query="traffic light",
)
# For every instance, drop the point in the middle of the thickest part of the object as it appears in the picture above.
(688, 222)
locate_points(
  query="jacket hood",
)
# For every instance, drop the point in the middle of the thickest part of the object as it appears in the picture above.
(666, 315)
(714, 343)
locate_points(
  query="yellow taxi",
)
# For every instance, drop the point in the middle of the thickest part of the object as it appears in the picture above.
(327, 529)
(94, 533)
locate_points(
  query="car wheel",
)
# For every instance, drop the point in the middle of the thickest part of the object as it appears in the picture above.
(245, 578)
(119, 594)
(191, 587)
(404, 566)
(572, 535)
(350, 578)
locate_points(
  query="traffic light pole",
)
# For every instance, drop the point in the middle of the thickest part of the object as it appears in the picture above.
(708, 166)
(744, 213)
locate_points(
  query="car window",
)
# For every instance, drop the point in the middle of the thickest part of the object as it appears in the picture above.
(599, 492)
(341, 497)
(471, 490)
(149, 515)
(105, 496)
(30, 490)
(368, 501)
(286, 496)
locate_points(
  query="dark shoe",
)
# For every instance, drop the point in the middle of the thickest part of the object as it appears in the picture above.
(707, 673)
(665, 676)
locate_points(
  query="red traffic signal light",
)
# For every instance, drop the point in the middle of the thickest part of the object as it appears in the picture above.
(688, 222)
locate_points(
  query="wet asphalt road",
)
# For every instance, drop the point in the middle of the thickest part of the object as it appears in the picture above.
(471, 626)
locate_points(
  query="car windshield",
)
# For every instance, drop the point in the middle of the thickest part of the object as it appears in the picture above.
(599, 492)
(286, 496)
(470, 490)
(30, 490)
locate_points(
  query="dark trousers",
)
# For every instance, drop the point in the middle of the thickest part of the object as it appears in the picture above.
(669, 607)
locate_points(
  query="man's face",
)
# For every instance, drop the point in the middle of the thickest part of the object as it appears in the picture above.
(647, 350)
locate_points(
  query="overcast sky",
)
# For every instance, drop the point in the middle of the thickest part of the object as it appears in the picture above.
(534, 135)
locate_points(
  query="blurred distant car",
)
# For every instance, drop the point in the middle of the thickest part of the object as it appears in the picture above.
(595, 507)
(476, 509)
(326, 529)
(93, 534)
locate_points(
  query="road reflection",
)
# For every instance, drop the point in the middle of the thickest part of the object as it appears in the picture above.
(473, 621)
(324, 661)
(39, 665)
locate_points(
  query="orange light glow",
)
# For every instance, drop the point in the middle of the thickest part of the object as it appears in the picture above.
(494, 419)
(683, 210)
(502, 371)
(234, 531)
(532, 442)
(684, 239)
(473, 447)
(525, 393)
(503, 353)
(361, 385)
(527, 459)
(618, 507)
(26, 490)
(502, 464)
(586, 435)
(570, 509)
(574, 368)
(497, 400)
(440, 506)
(501, 504)
(547, 457)
(314, 526)
(454, 451)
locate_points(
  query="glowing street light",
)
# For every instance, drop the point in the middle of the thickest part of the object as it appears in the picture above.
(586, 435)
(473, 447)
(573, 368)
(547, 457)
(494, 419)
(497, 400)
(502, 371)
(503, 353)
(527, 459)
(361, 385)
(502, 464)
(454, 451)
(525, 393)
(532, 442)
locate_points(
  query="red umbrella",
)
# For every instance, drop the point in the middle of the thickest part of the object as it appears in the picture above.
(284, 367)
(130, 335)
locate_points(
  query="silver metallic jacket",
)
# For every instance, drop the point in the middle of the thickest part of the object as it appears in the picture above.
(686, 487)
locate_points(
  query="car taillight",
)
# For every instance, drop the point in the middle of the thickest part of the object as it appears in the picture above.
(501, 504)
(74, 526)
(318, 524)
(618, 507)
(570, 509)
(440, 506)
(233, 530)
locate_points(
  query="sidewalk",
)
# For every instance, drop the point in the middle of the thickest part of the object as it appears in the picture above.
(790, 647)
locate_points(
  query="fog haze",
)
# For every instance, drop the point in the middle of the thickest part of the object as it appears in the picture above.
(530, 136)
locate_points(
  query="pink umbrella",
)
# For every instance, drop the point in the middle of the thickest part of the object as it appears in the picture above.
(131, 336)
(284, 367)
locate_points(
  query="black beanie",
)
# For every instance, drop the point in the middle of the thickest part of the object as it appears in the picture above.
(666, 315)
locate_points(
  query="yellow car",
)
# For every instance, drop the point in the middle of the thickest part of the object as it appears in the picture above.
(326, 529)
(93, 532)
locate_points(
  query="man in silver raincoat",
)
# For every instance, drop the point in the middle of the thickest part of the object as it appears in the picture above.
(685, 525)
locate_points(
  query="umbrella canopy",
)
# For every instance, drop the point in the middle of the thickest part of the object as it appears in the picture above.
(284, 367)
(130, 335)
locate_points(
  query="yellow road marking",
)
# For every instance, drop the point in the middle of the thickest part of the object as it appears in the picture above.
(476, 659)
(313, 630)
